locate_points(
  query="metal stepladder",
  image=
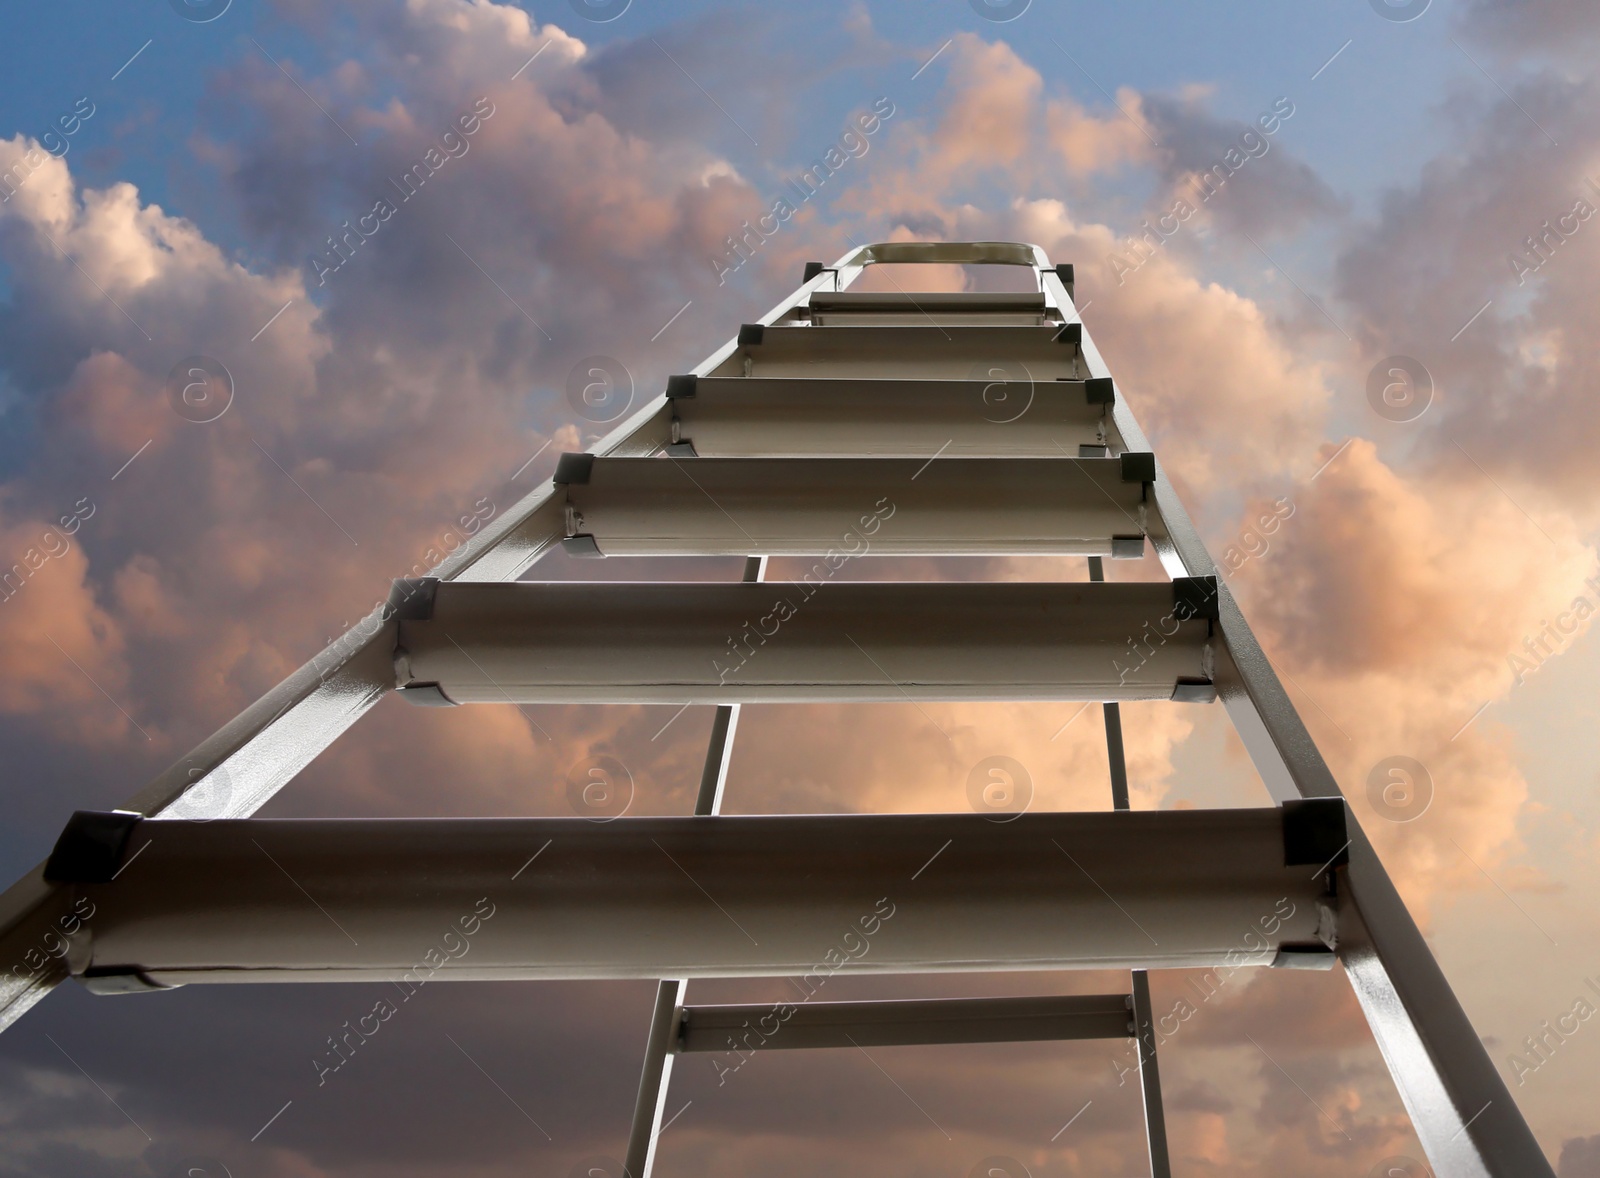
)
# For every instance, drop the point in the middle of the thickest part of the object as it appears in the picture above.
(839, 414)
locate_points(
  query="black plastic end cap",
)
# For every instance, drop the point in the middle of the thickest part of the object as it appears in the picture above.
(119, 979)
(583, 547)
(1127, 547)
(1314, 833)
(1100, 390)
(1295, 955)
(682, 387)
(426, 695)
(90, 847)
(812, 270)
(1138, 466)
(751, 334)
(1064, 272)
(1194, 597)
(411, 598)
(573, 469)
(1070, 333)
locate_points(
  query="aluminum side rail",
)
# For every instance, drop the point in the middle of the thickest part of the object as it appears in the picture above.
(694, 897)
(804, 642)
(1459, 1105)
(237, 770)
(1003, 416)
(850, 506)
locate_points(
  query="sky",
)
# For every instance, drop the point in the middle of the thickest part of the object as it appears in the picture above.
(1371, 334)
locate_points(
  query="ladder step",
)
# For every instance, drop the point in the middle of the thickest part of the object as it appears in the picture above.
(792, 896)
(923, 351)
(805, 642)
(736, 417)
(851, 506)
(802, 1025)
(921, 309)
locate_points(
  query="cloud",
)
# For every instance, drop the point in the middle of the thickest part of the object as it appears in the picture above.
(1089, 144)
(1566, 27)
(1434, 278)
(1224, 396)
(57, 642)
(1242, 173)
(1389, 598)
(1580, 1158)
(391, 399)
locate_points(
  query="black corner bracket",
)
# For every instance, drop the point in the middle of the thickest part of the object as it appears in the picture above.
(751, 334)
(1099, 390)
(573, 469)
(1194, 597)
(411, 598)
(119, 979)
(1070, 333)
(582, 546)
(812, 270)
(682, 387)
(426, 695)
(90, 847)
(1138, 467)
(1309, 955)
(1314, 833)
(1127, 547)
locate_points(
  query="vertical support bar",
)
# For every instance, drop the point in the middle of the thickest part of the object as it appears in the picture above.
(1119, 765)
(723, 726)
(715, 774)
(1113, 718)
(1155, 1120)
(650, 1106)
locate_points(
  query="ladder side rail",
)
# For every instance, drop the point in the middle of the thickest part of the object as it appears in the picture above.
(237, 769)
(1458, 1103)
